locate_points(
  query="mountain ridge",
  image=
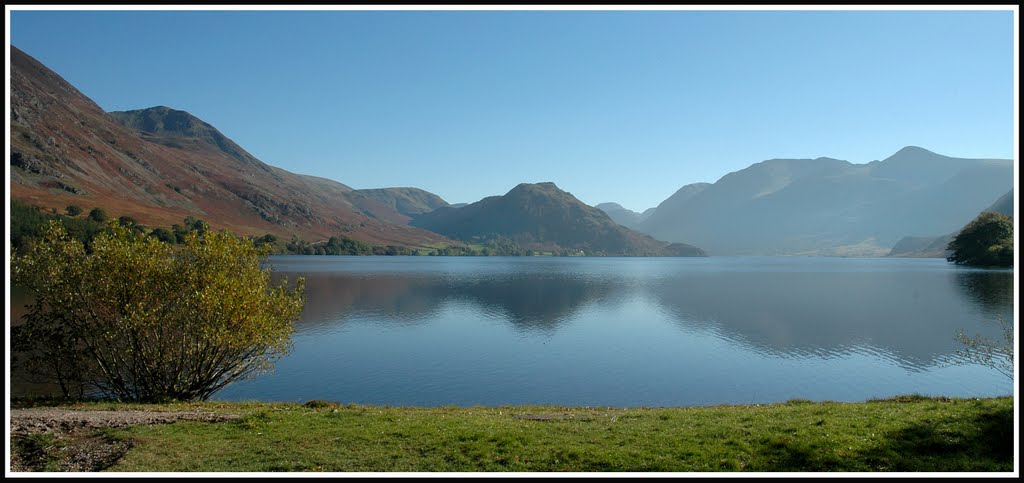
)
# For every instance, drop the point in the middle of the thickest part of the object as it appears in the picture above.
(542, 217)
(66, 150)
(827, 206)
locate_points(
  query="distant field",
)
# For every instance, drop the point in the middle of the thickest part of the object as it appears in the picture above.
(909, 433)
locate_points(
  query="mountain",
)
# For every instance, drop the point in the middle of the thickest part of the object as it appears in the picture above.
(922, 247)
(935, 246)
(542, 217)
(826, 206)
(1003, 205)
(679, 198)
(159, 165)
(395, 205)
(622, 216)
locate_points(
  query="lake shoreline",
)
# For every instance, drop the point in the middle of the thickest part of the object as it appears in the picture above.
(905, 433)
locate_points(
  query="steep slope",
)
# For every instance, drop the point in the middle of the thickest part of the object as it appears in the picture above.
(159, 165)
(826, 206)
(935, 246)
(1003, 205)
(541, 216)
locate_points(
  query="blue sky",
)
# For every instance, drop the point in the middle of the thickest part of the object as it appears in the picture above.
(611, 106)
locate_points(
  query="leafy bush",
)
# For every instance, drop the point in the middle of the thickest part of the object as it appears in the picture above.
(985, 241)
(98, 215)
(141, 320)
(27, 223)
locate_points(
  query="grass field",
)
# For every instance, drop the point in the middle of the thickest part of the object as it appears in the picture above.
(909, 433)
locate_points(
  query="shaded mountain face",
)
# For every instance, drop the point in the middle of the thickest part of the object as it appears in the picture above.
(160, 165)
(827, 206)
(542, 217)
(622, 216)
(935, 246)
(1003, 205)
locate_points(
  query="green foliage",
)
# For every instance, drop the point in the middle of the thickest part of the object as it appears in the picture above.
(163, 235)
(73, 210)
(346, 246)
(267, 239)
(140, 320)
(27, 223)
(391, 250)
(98, 215)
(342, 246)
(986, 241)
(453, 251)
(195, 224)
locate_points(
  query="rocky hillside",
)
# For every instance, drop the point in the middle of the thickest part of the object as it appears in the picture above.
(159, 165)
(395, 205)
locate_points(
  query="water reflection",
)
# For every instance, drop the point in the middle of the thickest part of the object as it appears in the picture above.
(537, 303)
(989, 290)
(909, 315)
(334, 298)
(425, 330)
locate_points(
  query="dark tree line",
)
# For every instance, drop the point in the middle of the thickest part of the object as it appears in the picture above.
(987, 241)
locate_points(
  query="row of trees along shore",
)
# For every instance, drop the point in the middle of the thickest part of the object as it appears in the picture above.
(28, 222)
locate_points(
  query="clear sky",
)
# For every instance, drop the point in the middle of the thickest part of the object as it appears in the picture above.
(611, 106)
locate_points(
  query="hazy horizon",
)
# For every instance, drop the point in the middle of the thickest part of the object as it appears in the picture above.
(616, 106)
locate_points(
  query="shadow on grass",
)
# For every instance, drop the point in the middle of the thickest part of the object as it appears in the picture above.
(981, 443)
(787, 453)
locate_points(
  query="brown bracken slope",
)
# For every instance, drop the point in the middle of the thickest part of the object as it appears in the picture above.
(160, 165)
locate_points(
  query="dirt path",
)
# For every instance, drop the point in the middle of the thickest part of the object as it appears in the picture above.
(55, 439)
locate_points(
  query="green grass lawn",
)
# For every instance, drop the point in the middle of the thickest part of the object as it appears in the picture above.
(903, 434)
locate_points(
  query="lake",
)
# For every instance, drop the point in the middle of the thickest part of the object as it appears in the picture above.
(429, 331)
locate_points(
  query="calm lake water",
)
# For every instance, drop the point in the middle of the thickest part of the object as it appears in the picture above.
(430, 331)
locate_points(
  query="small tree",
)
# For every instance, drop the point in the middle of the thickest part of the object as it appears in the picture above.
(987, 352)
(163, 235)
(98, 215)
(139, 320)
(73, 210)
(985, 241)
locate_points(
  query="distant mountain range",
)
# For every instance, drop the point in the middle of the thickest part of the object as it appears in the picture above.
(159, 165)
(935, 246)
(622, 216)
(827, 206)
(543, 217)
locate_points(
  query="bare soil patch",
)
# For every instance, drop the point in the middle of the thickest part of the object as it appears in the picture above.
(56, 439)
